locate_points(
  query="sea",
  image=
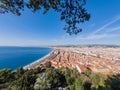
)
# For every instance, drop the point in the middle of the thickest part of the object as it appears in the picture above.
(14, 57)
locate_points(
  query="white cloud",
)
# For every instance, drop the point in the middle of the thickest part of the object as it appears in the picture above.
(106, 25)
(95, 36)
(113, 29)
(92, 38)
(106, 34)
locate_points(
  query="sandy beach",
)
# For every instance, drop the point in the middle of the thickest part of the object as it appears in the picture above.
(39, 61)
(97, 59)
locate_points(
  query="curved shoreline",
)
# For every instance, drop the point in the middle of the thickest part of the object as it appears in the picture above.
(38, 61)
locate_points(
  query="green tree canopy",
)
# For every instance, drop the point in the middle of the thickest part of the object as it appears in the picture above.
(72, 11)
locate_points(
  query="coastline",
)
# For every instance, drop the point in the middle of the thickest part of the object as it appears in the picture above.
(38, 61)
(81, 58)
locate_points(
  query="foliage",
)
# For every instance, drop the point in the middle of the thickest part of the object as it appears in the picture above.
(19, 72)
(49, 78)
(42, 82)
(24, 82)
(78, 84)
(72, 11)
(113, 82)
(6, 75)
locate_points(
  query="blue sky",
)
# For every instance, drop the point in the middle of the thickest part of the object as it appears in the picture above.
(36, 29)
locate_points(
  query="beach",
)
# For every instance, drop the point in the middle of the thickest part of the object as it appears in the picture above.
(103, 60)
(40, 61)
(14, 57)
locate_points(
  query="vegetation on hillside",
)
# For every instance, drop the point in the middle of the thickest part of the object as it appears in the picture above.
(50, 78)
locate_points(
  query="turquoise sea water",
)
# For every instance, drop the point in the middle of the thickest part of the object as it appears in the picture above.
(14, 57)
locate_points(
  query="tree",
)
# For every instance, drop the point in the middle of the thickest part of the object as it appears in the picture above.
(113, 82)
(42, 82)
(6, 75)
(78, 84)
(50, 79)
(72, 11)
(24, 82)
(20, 71)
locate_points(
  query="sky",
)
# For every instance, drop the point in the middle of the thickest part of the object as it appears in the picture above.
(37, 29)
